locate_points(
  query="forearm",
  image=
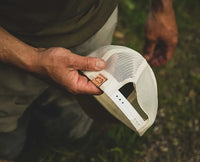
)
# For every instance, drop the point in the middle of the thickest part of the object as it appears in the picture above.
(15, 52)
(57, 64)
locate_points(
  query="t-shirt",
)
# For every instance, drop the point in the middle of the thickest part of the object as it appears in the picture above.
(48, 23)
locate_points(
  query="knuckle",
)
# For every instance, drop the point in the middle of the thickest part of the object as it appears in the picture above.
(58, 50)
(86, 63)
(90, 63)
(175, 40)
(67, 50)
(169, 56)
(61, 48)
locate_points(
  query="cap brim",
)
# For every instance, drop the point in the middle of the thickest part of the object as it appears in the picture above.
(147, 97)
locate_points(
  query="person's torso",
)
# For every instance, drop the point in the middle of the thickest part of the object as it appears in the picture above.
(48, 22)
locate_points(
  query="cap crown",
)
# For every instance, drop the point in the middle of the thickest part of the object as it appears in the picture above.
(127, 72)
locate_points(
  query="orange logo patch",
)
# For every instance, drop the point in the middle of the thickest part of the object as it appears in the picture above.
(99, 80)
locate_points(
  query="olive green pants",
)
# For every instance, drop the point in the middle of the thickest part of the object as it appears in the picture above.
(58, 111)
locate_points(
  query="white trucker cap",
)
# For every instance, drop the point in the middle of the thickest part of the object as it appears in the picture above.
(129, 86)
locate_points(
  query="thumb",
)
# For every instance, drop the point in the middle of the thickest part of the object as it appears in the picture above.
(88, 63)
(148, 49)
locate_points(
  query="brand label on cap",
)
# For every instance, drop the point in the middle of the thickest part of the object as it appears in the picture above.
(99, 80)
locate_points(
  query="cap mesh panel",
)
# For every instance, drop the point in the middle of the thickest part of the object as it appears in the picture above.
(124, 67)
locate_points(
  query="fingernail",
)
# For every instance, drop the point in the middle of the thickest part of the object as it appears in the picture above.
(100, 64)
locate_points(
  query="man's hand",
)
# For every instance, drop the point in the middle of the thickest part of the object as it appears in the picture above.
(161, 33)
(58, 64)
(62, 66)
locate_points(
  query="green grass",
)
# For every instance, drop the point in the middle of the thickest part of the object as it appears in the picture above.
(175, 134)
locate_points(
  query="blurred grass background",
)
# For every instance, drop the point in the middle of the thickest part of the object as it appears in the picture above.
(175, 136)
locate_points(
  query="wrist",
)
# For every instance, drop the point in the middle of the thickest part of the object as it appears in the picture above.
(24, 57)
(30, 59)
(161, 5)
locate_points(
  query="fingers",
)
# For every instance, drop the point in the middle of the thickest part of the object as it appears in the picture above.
(87, 63)
(157, 61)
(84, 86)
(149, 48)
(41, 49)
(162, 57)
